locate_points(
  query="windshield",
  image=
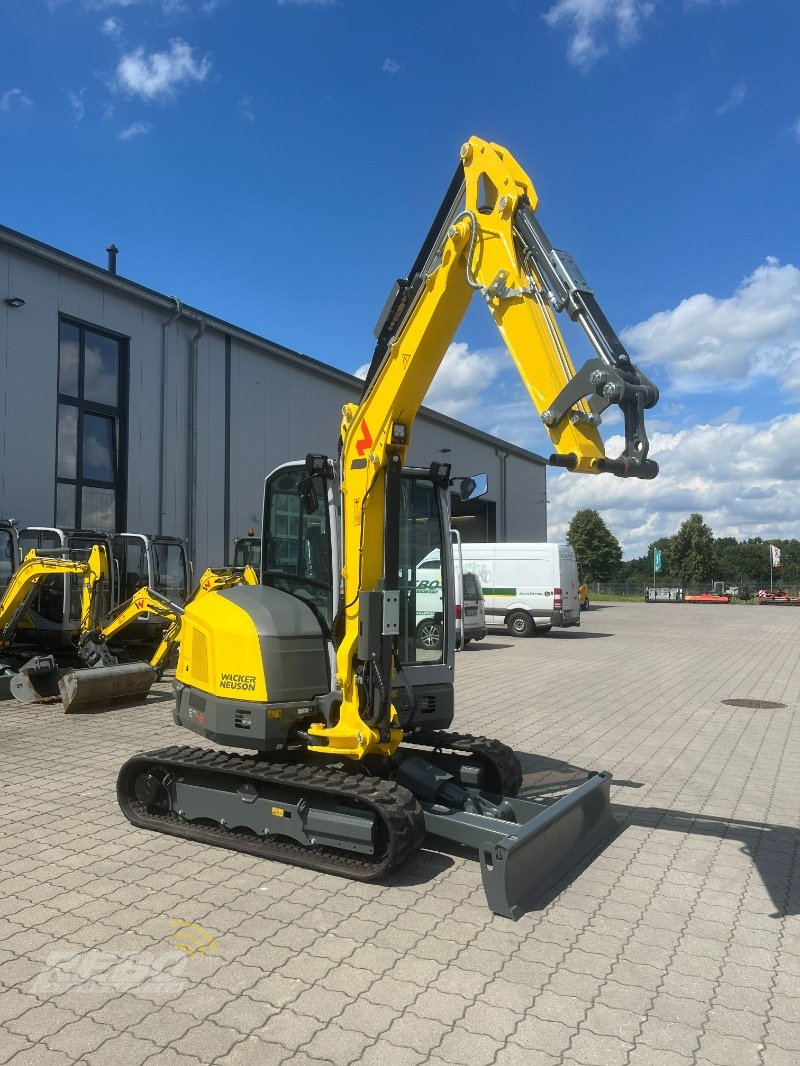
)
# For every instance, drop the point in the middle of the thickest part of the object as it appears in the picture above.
(422, 622)
(248, 553)
(169, 571)
(48, 600)
(297, 544)
(84, 545)
(130, 555)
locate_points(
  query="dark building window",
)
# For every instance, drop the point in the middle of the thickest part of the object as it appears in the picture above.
(91, 408)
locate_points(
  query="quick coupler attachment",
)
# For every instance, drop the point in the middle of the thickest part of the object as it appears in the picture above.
(525, 847)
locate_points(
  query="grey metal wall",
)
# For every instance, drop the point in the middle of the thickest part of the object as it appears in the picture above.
(278, 410)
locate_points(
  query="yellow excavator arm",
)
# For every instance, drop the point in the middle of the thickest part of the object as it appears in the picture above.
(145, 601)
(93, 643)
(106, 680)
(485, 239)
(35, 568)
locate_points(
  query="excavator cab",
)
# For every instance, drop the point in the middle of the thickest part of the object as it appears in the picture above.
(301, 555)
(9, 552)
(53, 616)
(158, 562)
(247, 552)
(154, 560)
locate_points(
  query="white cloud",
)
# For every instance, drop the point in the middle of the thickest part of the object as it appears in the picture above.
(460, 380)
(77, 104)
(245, 106)
(136, 129)
(174, 7)
(112, 28)
(104, 5)
(743, 478)
(158, 75)
(707, 341)
(735, 97)
(390, 66)
(14, 98)
(586, 21)
(733, 414)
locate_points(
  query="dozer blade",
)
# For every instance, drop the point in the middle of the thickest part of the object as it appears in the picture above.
(521, 869)
(36, 681)
(105, 686)
(521, 860)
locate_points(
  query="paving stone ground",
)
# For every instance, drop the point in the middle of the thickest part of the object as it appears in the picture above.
(679, 943)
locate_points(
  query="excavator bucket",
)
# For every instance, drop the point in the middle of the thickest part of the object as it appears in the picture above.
(36, 681)
(524, 854)
(105, 686)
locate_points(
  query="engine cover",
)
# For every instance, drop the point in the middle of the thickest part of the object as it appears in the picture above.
(252, 644)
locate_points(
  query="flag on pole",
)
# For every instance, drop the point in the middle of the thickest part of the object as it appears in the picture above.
(657, 560)
(776, 556)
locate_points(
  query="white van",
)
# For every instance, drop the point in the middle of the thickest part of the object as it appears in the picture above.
(469, 604)
(527, 587)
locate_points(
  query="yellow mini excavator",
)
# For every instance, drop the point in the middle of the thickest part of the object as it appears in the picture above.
(340, 781)
(36, 680)
(105, 679)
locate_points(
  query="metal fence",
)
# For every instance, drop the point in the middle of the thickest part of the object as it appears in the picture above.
(598, 589)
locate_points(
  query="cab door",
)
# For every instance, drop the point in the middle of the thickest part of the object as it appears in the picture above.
(299, 546)
(49, 605)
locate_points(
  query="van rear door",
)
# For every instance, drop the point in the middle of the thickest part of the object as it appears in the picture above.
(568, 580)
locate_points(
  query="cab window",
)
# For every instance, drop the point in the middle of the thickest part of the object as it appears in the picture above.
(297, 545)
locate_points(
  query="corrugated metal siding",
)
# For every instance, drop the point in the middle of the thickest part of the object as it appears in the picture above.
(280, 410)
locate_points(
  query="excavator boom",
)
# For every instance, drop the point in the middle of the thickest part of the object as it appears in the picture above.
(485, 239)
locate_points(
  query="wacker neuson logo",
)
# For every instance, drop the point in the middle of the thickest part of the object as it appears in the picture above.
(241, 682)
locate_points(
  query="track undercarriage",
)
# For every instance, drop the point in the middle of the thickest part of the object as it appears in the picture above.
(363, 822)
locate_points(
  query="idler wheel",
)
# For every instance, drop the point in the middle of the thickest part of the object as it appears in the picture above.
(146, 788)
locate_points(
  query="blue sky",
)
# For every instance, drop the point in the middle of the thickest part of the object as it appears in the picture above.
(278, 163)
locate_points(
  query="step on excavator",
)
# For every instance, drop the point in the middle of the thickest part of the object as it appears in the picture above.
(304, 669)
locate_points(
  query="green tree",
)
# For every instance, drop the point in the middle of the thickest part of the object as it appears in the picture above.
(596, 548)
(692, 551)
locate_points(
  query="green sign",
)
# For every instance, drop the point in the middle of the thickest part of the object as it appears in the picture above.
(657, 560)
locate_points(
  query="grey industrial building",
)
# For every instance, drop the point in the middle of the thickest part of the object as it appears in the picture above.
(125, 409)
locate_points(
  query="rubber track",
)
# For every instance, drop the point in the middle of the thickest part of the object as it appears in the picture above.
(394, 806)
(500, 757)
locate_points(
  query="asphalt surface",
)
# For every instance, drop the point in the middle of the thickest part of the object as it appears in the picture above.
(679, 943)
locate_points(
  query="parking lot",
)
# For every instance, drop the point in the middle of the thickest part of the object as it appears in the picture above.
(679, 943)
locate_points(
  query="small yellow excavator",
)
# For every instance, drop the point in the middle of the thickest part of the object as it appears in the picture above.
(105, 680)
(42, 678)
(36, 679)
(342, 781)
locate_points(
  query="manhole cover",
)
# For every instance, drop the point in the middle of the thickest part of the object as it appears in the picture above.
(756, 705)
